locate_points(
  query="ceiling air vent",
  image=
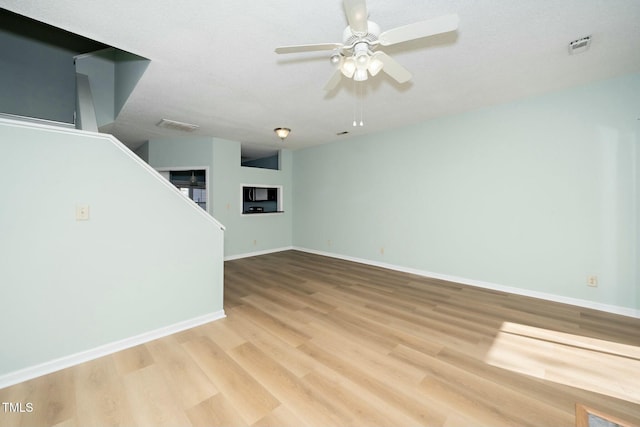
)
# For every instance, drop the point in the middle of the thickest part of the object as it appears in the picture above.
(172, 124)
(580, 45)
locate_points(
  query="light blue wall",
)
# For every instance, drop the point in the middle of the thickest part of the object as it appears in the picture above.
(537, 194)
(143, 151)
(250, 233)
(637, 211)
(244, 234)
(190, 151)
(180, 153)
(113, 74)
(100, 68)
(146, 259)
(129, 68)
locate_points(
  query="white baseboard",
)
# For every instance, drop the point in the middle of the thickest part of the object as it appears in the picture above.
(614, 309)
(31, 372)
(264, 252)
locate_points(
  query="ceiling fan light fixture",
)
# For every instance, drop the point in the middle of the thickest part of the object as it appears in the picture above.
(362, 61)
(356, 57)
(375, 65)
(360, 75)
(348, 67)
(282, 132)
(335, 59)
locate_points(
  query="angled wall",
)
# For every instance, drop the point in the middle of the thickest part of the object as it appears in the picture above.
(129, 69)
(148, 261)
(113, 75)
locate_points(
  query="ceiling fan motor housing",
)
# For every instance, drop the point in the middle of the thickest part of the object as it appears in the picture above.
(350, 38)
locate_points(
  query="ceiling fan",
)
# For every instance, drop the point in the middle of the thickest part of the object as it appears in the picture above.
(357, 57)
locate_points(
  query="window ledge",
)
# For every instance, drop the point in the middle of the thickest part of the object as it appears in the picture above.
(261, 213)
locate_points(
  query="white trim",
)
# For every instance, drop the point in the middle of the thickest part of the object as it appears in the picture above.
(15, 117)
(280, 202)
(31, 372)
(261, 214)
(624, 311)
(125, 150)
(264, 252)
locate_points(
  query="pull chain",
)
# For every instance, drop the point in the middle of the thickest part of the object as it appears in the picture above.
(359, 102)
(355, 104)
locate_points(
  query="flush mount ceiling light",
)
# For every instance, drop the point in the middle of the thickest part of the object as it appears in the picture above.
(282, 132)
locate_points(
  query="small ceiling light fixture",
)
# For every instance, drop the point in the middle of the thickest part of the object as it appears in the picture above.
(282, 132)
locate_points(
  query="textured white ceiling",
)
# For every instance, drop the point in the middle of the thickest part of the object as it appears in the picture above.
(213, 64)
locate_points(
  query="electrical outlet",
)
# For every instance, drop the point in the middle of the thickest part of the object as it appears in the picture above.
(82, 213)
(329, 242)
(381, 251)
(592, 281)
(255, 242)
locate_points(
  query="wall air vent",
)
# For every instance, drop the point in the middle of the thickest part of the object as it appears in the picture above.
(172, 124)
(580, 45)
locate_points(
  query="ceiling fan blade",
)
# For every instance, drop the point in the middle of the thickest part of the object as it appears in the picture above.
(333, 82)
(418, 30)
(393, 67)
(357, 16)
(308, 47)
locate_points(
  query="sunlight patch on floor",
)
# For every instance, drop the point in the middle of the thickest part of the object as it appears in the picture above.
(592, 364)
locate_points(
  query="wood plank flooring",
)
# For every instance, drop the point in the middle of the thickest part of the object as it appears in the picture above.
(315, 341)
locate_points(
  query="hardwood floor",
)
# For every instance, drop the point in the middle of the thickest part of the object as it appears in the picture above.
(315, 341)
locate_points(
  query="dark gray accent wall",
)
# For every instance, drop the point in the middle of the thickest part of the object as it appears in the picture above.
(271, 162)
(37, 73)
